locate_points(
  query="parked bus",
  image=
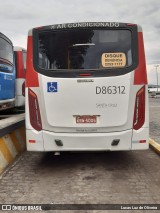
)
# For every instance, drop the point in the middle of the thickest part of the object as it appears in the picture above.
(7, 73)
(20, 65)
(86, 88)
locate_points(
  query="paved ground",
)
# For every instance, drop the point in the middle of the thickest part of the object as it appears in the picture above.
(154, 111)
(115, 177)
(112, 177)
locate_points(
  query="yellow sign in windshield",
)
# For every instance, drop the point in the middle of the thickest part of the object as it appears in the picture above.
(113, 59)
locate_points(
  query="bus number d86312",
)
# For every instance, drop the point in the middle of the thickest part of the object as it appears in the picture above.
(110, 90)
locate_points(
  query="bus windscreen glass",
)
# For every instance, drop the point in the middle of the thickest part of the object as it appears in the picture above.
(6, 51)
(84, 49)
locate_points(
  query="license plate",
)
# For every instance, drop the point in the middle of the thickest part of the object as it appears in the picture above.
(86, 119)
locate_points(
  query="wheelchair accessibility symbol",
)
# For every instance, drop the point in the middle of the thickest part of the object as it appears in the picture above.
(52, 87)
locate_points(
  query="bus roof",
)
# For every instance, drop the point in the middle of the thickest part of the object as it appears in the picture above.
(82, 25)
(6, 38)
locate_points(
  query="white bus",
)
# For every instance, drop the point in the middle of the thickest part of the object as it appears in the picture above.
(86, 88)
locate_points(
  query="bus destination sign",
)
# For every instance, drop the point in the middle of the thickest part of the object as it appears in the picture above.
(85, 24)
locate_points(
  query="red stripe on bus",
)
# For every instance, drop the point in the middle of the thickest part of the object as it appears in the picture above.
(31, 74)
(19, 65)
(140, 75)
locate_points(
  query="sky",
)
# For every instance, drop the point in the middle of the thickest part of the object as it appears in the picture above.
(18, 16)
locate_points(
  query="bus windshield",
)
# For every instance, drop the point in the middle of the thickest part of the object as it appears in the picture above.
(84, 49)
(6, 51)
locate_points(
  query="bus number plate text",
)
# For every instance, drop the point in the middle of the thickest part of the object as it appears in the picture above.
(111, 90)
(86, 119)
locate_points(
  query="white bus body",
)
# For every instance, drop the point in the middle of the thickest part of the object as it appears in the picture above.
(77, 97)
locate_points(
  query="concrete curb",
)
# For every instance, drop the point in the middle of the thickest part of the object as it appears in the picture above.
(154, 145)
(11, 145)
